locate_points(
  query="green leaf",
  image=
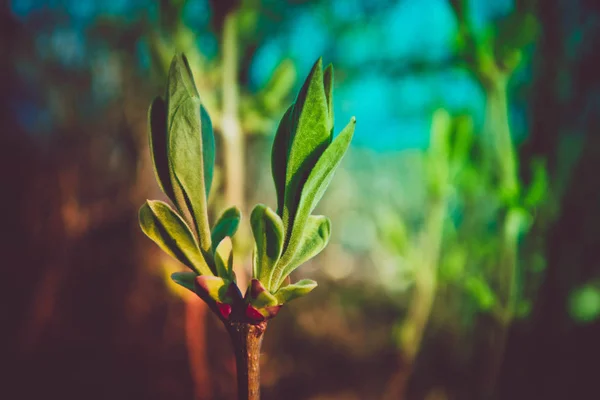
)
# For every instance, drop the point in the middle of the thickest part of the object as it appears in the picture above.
(314, 188)
(584, 304)
(328, 84)
(279, 156)
(515, 32)
(214, 287)
(268, 232)
(462, 142)
(226, 225)
(259, 296)
(538, 189)
(481, 292)
(223, 257)
(518, 221)
(309, 139)
(169, 231)
(157, 138)
(293, 291)
(224, 270)
(314, 239)
(180, 85)
(277, 89)
(453, 264)
(185, 279)
(208, 148)
(230, 266)
(187, 167)
(438, 153)
(190, 148)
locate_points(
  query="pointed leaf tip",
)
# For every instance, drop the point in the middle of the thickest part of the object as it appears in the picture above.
(185, 279)
(181, 77)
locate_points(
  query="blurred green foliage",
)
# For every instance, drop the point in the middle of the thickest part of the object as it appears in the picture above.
(584, 304)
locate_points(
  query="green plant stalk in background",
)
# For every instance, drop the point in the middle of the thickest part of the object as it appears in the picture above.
(424, 255)
(304, 159)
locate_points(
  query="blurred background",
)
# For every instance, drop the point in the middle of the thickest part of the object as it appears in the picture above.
(464, 261)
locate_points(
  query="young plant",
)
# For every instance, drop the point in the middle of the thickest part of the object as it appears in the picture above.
(303, 161)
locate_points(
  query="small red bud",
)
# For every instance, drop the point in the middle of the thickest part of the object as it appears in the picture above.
(254, 314)
(224, 309)
(256, 288)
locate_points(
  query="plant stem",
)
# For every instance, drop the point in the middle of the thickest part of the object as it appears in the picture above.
(506, 273)
(247, 339)
(421, 303)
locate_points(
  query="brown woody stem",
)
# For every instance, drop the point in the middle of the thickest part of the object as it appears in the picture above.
(247, 339)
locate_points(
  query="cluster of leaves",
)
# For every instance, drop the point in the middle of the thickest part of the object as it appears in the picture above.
(304, 159)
